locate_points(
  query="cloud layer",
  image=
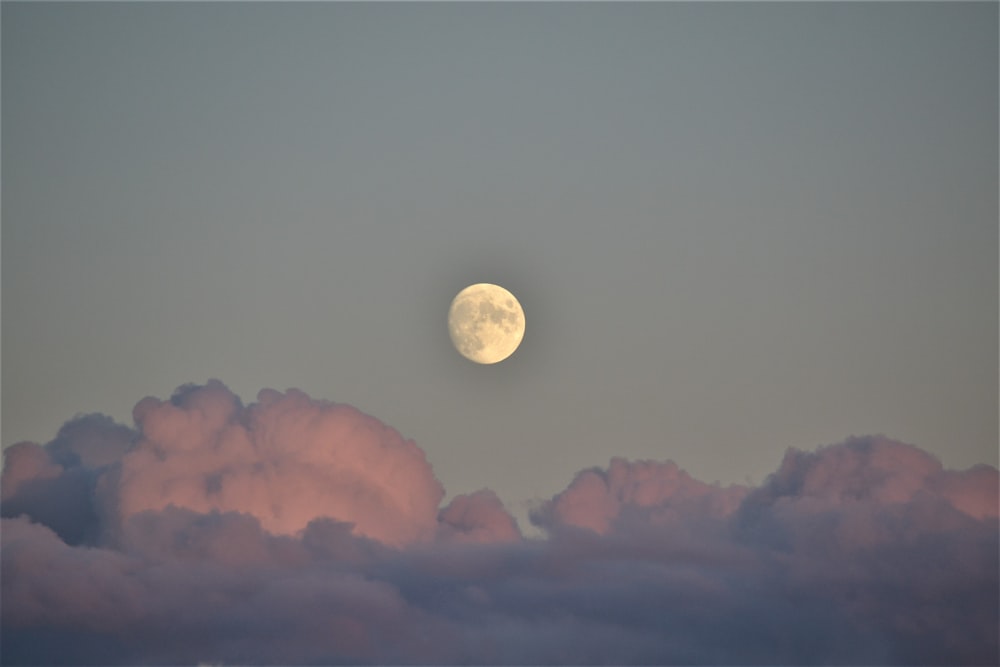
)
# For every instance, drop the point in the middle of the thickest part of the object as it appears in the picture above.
(299, 531)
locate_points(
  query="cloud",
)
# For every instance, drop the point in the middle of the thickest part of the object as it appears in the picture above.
(478, 517)
(647, 491)
(299, 531)
(286, 460)
(865, 492)
(55, 484)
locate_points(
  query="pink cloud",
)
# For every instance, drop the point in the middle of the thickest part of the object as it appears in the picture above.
(876, 469)
(974, 491)
(875, 472)
(25, 462)
(284, 460)
(596, 498)
(478, 517)
(300, 531)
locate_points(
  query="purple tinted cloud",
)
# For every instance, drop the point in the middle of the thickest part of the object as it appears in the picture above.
(298, 531)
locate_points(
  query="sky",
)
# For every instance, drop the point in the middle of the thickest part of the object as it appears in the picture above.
(756, 247)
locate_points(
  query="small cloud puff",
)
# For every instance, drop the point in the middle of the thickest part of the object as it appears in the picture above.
(647, 491)
(478, 517)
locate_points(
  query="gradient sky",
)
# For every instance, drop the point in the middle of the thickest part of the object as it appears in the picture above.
(734, 228)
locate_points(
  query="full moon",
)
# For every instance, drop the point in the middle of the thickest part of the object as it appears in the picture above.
(486, 323)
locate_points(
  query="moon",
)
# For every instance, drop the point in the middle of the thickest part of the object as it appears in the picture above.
(486, 323)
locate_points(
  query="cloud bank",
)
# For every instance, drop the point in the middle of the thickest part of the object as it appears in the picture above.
(299, 531)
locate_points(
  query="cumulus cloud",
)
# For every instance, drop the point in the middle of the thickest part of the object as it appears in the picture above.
(299, 531)
(650, 491)
(478, 517)
(286, 460)
(55, 484)
(864, 492)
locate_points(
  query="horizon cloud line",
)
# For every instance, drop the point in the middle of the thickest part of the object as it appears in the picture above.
(322, 519)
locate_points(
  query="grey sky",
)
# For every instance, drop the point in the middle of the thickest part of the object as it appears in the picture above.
(734, 228)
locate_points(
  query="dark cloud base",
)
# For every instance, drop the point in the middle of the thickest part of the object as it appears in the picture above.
(298, 531)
